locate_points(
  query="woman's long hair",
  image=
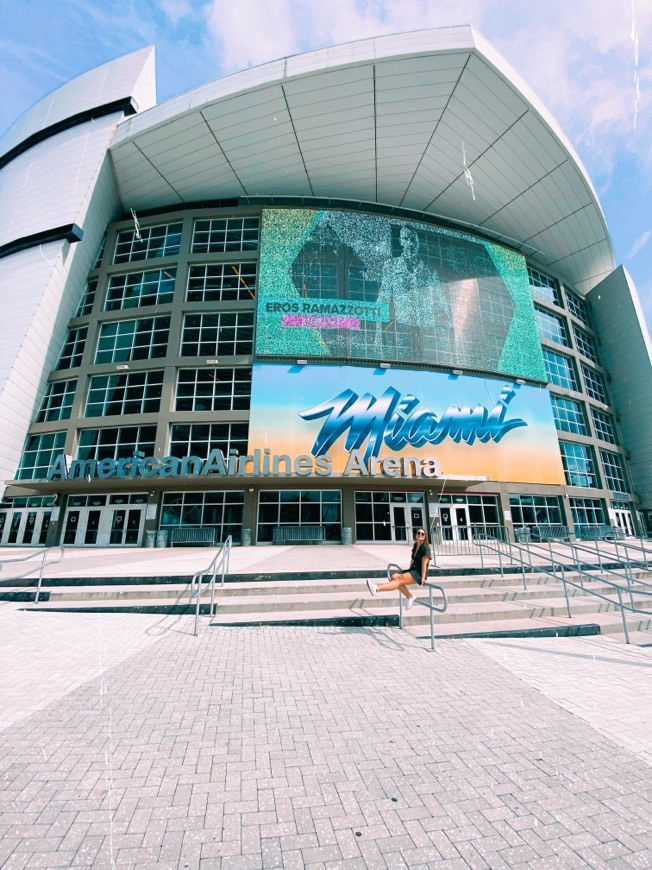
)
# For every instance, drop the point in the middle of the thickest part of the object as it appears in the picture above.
(425, 541)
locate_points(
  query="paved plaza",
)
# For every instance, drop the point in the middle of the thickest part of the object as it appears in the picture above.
(129, 743)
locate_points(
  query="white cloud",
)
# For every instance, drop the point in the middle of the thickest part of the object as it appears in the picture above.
(175, 10)
(579, 57)
(638, 244)
(251, 32)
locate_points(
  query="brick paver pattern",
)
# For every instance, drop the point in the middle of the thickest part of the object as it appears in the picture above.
(304, 747)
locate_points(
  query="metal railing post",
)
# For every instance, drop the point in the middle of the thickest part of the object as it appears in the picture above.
(40, 578)
(563, 580)
(432, 620)
(400, 609)
(644, 550)
(630, 591)
(622, 614)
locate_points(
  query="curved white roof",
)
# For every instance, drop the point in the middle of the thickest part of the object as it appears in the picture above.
(434, 121)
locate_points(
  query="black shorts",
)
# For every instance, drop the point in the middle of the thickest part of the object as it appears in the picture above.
(416, 575)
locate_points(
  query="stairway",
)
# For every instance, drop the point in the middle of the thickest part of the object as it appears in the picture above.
(481, 603)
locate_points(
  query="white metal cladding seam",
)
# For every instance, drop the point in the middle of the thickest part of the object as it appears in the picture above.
(129, 76)
(49, 185)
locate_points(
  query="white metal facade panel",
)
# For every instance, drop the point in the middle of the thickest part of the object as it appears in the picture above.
(129, 76)
(49, 281)
(49, 185)
(616, 313)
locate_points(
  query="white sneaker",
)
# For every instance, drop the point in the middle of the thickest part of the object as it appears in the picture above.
(372, 588)
(409, 602)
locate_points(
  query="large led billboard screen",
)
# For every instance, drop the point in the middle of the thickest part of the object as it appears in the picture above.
(351, 285)
(456, 426)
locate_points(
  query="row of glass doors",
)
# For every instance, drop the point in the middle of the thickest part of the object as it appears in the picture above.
(100, 521)
(118, 520)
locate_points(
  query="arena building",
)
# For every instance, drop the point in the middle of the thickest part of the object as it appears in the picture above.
(330, 298)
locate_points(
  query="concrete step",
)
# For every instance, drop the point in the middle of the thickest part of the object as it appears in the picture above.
(462, 620)
(260, 608)
(463, 576)
(459, 588)
(607, 622)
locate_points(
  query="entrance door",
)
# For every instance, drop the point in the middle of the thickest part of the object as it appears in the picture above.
(125, 526)
(406, 519)
(454, 522)
(623, 519)
(103, 526)
(26, 526)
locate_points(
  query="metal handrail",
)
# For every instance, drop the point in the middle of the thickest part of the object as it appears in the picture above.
(627, 545)
(540, 569)
(45, 562)
(432, 607)
(220, 561)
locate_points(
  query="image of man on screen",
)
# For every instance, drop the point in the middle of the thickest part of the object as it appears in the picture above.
(420, 315)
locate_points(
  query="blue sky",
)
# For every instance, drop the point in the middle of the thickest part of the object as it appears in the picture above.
(588, 61)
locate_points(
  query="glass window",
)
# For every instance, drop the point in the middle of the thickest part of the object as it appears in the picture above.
(131, 393)
(578, 307)
(531, 510)
(213, 390)
(124, 340)
(551, 327)
(100, 254)
(147, 242)
(140, 288)
(603, 425)
(222, 282)
(560, 369)
(579, 464)
(614, 476)
(569, 416)
(587, 512)
(73, 350)
(226, 333)
(544, 287)
(39, 454)
(585, 344)
(300, 507)
(119, 443)
(373, 517)
(221, 511)
(594, 385)
(87, 300)
(219, 235)
(198, 439)
(57, 402)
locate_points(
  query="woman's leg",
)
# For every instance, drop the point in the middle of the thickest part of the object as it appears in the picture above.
(398, 581)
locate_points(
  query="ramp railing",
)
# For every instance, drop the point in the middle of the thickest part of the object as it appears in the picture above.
(465, 540)
(206, 578)
(432, 607)
(558, 563)
(45, 562)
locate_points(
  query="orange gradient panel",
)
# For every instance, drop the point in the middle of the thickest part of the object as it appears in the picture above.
(528, 453)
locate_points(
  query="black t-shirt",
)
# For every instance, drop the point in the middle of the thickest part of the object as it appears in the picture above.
(417, 557)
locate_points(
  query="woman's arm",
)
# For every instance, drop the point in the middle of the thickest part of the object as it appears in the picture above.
(424, 569)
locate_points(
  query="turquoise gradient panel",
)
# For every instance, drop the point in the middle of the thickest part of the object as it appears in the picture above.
(359, 286)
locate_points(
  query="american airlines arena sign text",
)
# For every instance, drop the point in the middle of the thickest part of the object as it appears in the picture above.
(259, 464)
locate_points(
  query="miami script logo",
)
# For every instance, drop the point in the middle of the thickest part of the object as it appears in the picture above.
(396, 421)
